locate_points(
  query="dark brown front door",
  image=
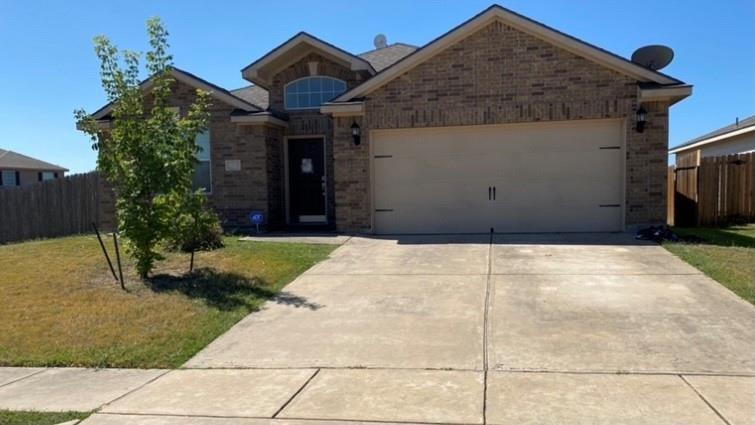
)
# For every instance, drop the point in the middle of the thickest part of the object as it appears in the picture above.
(306, 180)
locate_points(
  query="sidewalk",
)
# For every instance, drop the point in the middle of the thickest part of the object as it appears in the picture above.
(386, 396)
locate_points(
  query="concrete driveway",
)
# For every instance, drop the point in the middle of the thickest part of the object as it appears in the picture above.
(542, 329)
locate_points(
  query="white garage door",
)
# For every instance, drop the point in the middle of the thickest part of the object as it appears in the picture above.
(542, 177)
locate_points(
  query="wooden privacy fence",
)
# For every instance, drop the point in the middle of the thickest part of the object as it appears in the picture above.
(52, 208)
(719, 190)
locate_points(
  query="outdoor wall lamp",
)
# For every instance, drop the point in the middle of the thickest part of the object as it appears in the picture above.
(356, 133)
(642, 116)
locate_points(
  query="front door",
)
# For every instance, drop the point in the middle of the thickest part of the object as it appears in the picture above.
(306, 179)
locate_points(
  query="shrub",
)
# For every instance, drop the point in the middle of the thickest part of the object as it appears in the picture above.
(195, 227)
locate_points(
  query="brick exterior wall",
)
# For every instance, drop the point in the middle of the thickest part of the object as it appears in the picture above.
(257, 186)
(500, 75)
(312, 122)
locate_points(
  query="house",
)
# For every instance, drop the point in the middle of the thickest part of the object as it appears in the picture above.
(501, 123)
(22, 170)
(735, 138)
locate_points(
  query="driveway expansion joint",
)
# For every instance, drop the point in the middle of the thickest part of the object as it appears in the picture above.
(702, 397)
(485, 332)
(283, 407)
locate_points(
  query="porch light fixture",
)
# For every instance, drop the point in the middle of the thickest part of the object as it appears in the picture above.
(356, 133)
(642, 116)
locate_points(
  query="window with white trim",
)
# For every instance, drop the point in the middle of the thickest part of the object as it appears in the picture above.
(311, 92)
(48, 175)
(202, 173)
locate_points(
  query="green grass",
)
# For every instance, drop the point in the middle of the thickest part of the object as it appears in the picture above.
(726, 254)
(61, 306)
(8, 417)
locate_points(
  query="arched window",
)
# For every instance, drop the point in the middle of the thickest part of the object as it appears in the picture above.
(311, 92)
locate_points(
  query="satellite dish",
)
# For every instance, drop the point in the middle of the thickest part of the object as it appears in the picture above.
(653, 57)
(380, 41)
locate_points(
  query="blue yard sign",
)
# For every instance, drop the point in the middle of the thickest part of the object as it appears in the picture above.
(257, 218)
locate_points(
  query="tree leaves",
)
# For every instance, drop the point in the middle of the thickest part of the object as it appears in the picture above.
(146, 150)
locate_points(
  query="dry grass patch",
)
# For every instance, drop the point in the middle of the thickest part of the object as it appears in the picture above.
(61, 306)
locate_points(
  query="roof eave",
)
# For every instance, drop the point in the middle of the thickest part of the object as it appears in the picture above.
(259, 118)
(671, 94)
(343, 109)
(191, 80)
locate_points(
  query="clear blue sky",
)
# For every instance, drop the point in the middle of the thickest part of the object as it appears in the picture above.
(49, 68)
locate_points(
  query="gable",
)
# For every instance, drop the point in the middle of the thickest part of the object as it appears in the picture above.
(261, 71)
(499, 63)
(313, 64)
(499, 14)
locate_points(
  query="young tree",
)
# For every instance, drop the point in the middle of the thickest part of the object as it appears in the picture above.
(148, 151)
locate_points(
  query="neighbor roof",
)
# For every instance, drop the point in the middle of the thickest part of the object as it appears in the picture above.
(521, 23)
(384, 57)
(196, 82)
(16, 161)
(744, 126)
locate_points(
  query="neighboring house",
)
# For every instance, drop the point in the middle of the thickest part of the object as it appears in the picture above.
(735, 138)
(501, 123)
(22, 170)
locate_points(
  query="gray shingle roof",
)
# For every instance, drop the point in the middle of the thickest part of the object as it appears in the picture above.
(386, 56)
(747, 122)
(255, 95)
(16, 161)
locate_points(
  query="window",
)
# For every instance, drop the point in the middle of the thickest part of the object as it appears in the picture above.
(9, 178)
(311, 92)
(48, 175)
(202, 173)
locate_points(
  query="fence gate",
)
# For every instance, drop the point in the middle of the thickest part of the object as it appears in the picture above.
(716, 191)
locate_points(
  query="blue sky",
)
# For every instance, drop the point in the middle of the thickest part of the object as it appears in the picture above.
(49, 68)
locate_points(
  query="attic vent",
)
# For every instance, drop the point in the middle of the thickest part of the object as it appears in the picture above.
(380, 41)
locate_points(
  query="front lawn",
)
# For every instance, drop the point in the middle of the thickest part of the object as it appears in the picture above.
(61, 306)
(725, 254)
(8, 417)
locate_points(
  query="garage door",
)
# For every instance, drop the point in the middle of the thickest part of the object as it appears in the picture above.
(542, 177)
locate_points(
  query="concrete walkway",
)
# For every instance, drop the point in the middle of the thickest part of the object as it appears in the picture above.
(542, 329)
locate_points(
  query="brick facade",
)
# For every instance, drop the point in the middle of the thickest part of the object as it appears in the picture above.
(500, 75)
(257, 186)
(236, 193)
(312, 122)
(497, 75)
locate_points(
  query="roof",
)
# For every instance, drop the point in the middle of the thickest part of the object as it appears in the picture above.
(522, 23)
(253, 94)
(380, 58)
(16, 161)
(744, 126)
(384, 57)
(261, 70)
(196, 82)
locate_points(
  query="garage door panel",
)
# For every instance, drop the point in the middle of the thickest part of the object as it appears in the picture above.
(434, 168)
(576, 219)
(441, 219)
(548, 177)
(537, 193)
(555, 164)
